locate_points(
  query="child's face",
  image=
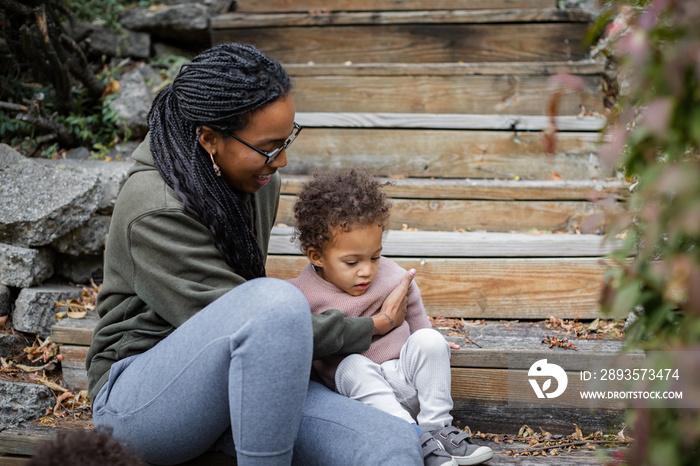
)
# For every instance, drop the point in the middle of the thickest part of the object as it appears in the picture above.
(351, 259)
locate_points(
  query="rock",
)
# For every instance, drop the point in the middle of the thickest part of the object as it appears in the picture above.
(134, 102)
(104, 40)
(123, 150)
(86, 239)
(23, 267)
(162, 50)
(215, 7)
(11, 344)
(35, 307)
(185, 25)
(21, 402)
(39, 205)
(5, 300)
(79, 153)
(110, 177)
(82, 269)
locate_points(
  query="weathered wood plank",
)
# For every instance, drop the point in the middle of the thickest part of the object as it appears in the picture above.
(277, 6)
(24, 441)
(448, 121)
(581, 67)
(13, 460)
(73, 366)
(74, 331)
(505, 190)
(432, 16)
(496, 418)
(447, 153)
(494, 288)
(522, 94)
(516, 345)
(414, 43)
(492, 386)
(493, 216)
(27, 440)
(470, 244)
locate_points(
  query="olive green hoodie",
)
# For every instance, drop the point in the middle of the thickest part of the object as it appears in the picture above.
(162, 267)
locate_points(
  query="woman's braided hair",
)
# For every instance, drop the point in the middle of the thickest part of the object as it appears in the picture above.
(220, 89)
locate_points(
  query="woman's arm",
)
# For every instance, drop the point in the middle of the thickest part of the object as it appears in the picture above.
(336, 334)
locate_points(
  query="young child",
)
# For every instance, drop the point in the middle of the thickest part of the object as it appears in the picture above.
(340, 220)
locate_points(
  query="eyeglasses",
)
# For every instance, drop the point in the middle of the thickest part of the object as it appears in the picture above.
(272, 155)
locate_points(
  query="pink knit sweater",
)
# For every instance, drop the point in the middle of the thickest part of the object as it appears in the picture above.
(323, 295)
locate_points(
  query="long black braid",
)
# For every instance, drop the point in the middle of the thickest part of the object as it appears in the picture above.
(219, 89)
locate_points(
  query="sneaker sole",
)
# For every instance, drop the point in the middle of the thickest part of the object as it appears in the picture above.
(474, 459)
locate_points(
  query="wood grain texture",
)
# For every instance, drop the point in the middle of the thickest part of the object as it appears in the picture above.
(448, 121)
(581, 67)
(494, 288)
(414, 43)
(505, 190)
(74, 331)
(270, 6)
(398, 243)
(492, 216)
(432, 16)
(501, 386)
(495, 417)
(447, 153)
(521, 94)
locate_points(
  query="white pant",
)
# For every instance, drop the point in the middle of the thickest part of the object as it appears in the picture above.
(416, 387)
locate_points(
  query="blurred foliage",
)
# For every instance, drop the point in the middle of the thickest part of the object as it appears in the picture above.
(103, 10)
(655, 141)
(90, 121)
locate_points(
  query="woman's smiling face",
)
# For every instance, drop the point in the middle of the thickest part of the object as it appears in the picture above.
(268, 128)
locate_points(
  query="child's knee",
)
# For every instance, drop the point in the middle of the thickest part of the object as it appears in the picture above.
(429, 340)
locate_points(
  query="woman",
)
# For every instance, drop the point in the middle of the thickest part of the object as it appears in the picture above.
(195, 350)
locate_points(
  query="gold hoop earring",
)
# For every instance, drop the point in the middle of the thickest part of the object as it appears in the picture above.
(217, 170)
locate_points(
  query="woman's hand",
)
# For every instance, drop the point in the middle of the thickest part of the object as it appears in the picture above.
(393, 311)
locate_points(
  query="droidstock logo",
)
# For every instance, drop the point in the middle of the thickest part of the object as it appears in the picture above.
(542, 368)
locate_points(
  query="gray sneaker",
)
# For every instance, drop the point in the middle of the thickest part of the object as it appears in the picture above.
(433, 453)
(457, 443)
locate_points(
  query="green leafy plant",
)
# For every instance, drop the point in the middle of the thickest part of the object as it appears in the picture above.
(655, 131)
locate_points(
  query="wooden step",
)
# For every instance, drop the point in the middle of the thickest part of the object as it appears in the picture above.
(27, 440)
(448, 145)
(492, 216)
(480, 369)
(435, 36)
(399, 243)
(509, 288)
(510, 122)
(479, 189)
(496, 88)
(282, 6)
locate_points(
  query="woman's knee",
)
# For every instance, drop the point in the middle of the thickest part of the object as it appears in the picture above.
(271, 299)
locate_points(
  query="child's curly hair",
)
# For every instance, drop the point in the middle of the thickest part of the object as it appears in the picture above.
(339, 198)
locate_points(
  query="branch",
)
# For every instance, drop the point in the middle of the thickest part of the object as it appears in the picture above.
(35, 115)
(82, 69)
(15, 107)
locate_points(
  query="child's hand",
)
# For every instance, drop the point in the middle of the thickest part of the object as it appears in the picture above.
(393, 311)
